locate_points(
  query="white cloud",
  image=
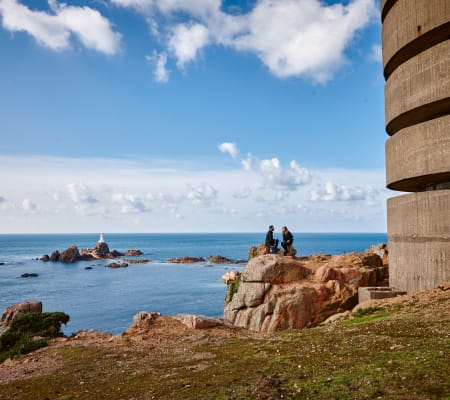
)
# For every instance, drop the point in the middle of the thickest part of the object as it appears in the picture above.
(117, 195)
(129, 203)
(203, 194)
(230, 148)
(244, 193)
(2, 199)
(29, 206)
(54, 30)
(186, 40)
(160, 73)
(248, 163)
(289, 179)
(292, 38)
(333, 192)
(80, 193)
(376, 54)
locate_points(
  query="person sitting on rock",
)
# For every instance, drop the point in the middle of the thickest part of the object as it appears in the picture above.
(288, 239)
(271, 243)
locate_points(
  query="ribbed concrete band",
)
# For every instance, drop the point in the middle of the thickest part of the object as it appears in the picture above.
(419, 240)
(419, 156)
(419, 90)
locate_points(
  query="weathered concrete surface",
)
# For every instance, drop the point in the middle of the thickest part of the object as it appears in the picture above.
(419, 240)
(416, 152)
(409, 30)
(377, 292)
(419, 89)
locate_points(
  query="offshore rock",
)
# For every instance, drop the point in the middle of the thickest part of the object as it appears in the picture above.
(218, 259)
(54, 256)
(70, 255)
(133, 253)
(185, 260)
(276, 292)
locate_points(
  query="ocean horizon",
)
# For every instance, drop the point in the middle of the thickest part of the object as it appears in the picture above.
(107, 299)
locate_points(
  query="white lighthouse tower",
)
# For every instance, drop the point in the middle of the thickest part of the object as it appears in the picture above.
(102, 239)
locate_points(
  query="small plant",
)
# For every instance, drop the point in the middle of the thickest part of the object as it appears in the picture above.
(232, 290)
(29, 332)
(363, 312)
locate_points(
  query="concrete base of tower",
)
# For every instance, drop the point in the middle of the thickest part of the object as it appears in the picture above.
(419, 240)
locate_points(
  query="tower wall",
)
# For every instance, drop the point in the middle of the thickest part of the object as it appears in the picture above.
(416, 61)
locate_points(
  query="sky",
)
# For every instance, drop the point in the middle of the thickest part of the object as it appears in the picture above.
(191, 116)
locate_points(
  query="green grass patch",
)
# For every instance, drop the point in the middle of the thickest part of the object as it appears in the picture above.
(19, 338)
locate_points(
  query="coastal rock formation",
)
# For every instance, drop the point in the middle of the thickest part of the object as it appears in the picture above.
(101, 251)
(133, 253)
(198, 321)
(29, 275)
(20, 308)
(69, 255)
(277, 292)
(140, 261)
(185, 260)
(218, 259)
(117, 265)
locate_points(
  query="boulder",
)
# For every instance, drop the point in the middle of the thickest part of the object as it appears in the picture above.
(29, 275)
(276, 292)
(133, 253)
(20, 308)
(116, 254)
(69, 255)
(198, 321)
(274, 269)
(45, 258)
(54, 256)
(117, 265)
(144, 319)
(256, 251)
(186, 260)
(217, 259)
(101, 250)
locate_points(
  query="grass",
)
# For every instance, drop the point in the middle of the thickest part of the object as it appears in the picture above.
(395, 355)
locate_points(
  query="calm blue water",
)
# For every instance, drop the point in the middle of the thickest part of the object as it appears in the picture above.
(107, 299)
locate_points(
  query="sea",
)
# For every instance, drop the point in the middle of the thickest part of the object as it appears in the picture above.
(106, 299)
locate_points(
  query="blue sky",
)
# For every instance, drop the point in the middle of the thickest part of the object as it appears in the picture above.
(200, 115)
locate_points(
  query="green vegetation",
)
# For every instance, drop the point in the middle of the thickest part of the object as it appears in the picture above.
(366, 315)
(30, 331)
(232, 290)
(401, 355)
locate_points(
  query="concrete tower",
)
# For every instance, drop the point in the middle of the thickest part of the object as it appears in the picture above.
(416, 61)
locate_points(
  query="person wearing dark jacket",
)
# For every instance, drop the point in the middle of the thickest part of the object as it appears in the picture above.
(271, 243)
(288, 239)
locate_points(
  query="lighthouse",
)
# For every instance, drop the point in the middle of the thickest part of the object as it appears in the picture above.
(102, 239)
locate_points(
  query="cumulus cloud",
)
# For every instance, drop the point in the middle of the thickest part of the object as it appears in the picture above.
(204, 194)
(230, 148)
(159, 60)
(129, 203)
(334, 192)
(185, 42)
(278, 177)
(244, 193)
(292, 38)
(29, 206)
(82, 198)
(54, 29)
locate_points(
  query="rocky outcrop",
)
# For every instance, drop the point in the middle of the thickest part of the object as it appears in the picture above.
(29, 275)
(198, 321)
(69, 255)
(20, 308)
(277, 292)
(99, 252)
(139, 261)
(133, 253)
(117, 265)
(185, 260)
(218, 259)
